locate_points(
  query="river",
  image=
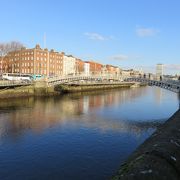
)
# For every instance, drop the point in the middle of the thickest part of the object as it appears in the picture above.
(78, 136)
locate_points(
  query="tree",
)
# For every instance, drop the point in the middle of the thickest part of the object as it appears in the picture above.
(5, 48)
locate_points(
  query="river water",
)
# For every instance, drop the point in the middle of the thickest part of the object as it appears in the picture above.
(80, 136)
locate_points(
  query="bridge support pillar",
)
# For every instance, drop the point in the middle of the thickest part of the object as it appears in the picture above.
(40, 84)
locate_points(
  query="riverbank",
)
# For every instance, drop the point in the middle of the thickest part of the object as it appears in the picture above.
(158, 157)
(73, 88)
(41, 89)
(27, 91)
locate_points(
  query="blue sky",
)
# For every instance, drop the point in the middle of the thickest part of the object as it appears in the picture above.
(128, 33)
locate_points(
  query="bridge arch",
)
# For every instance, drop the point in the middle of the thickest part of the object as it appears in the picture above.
(172, 86)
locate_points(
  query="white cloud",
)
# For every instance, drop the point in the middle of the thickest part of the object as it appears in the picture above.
(172, 66)
(96, 36)
(168, 68)
(119, 57)
(146, 32)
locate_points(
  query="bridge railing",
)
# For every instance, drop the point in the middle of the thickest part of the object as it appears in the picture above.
(85, 76)
(172, 85)
(12, 83)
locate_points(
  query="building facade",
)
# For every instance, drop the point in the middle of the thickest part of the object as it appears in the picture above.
(159, 70)
(34, 61)
(38, 61)
(79, 66)
(95, 68)
(69, 65)
(86, 69)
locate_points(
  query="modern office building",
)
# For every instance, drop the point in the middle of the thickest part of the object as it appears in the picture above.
(159, 70)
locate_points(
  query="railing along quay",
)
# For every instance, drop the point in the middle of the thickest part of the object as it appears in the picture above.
(4, 84)
(166, 84)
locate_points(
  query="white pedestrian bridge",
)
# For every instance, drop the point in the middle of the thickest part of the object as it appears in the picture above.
(52, 81)
(68, 79)
(171, 85)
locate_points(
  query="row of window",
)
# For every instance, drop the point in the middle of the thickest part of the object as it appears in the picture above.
(37, 71)
(28, 64)
(38, 58)
(38, 53)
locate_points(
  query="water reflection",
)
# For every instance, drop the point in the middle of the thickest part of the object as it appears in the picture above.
(50, 136)
(38, 114)
(42, 113)
(158, 95)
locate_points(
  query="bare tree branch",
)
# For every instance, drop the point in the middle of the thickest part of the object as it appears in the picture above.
(5, 48)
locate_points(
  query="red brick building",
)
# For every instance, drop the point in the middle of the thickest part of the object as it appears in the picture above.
(95, 68)
(113, 70)
(79, 66)
(34, 61)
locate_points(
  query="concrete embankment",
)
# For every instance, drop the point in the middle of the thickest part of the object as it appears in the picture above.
(158, 157)
(71, 88)
(41, 89)
(37, 89)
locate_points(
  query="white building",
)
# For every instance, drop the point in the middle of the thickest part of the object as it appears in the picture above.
(159, 70)
(69, 65)
(86, 68)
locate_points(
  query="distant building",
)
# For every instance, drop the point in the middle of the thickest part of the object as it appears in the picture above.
(86, 68)
(112, 70)
(95, 67)
(69, 65)
(1, 65)
(79, 66)
(159, 70)
(128, 72)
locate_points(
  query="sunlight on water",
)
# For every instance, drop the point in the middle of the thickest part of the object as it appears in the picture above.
(79, 136)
